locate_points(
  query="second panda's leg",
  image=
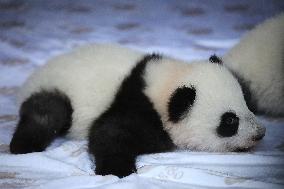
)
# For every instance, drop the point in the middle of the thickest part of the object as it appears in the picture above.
(43, 116)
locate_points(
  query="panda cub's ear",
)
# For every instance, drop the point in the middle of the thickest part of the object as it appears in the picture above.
(215, 59)
(180, 103)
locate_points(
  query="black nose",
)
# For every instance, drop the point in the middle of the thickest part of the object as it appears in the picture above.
(258, 137)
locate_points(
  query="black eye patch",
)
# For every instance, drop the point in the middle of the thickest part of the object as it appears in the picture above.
(229, 125)
(180, 102)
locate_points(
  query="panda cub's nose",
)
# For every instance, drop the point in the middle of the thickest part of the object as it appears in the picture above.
(258, 137)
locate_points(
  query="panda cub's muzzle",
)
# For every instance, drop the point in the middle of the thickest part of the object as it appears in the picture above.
(260, 134)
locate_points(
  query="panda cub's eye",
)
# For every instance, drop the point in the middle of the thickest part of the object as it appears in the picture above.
(229, 125)
(231, 120)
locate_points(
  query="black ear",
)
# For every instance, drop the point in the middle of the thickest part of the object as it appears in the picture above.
(180, 103)
(215, 59)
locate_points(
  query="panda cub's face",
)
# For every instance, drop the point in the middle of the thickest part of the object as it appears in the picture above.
(207, 112)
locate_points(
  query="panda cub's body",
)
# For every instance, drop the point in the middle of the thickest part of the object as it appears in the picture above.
(258, 61)
(127, 103)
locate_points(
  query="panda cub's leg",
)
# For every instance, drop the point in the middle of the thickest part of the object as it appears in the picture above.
(43, 116)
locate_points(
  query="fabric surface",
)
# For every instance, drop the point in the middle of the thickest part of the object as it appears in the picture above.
(33, 31)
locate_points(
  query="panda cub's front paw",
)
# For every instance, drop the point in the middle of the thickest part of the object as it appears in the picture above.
(115, 165)
(117, 171)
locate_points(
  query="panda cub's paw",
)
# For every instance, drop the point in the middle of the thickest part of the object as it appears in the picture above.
(118, 165)
(43, 116)
(23, 143)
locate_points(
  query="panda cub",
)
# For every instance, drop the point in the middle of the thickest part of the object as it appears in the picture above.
(258, 61)
(127, 103)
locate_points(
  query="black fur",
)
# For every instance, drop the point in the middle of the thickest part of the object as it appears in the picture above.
(43, 116)
(215, 59)
(229, 125)
(180, 103)
(131, 126)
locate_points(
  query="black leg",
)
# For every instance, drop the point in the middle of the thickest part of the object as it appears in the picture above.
(43, 116)
(113, 146)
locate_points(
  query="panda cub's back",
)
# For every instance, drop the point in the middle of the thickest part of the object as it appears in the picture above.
(89, 76)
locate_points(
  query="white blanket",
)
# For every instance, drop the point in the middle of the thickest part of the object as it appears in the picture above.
(33, 31)
(66, 164)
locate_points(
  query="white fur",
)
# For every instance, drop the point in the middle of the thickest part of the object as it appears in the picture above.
(259, 59)
(91, 75)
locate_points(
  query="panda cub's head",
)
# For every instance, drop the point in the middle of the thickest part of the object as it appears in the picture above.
(202, 106)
